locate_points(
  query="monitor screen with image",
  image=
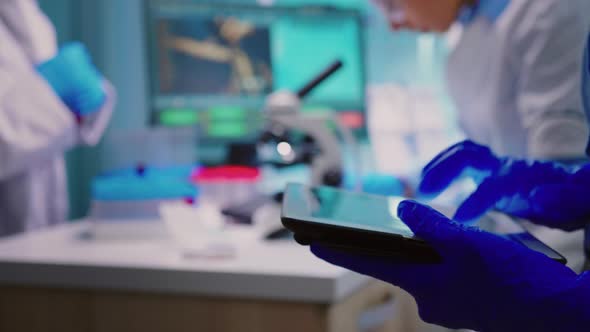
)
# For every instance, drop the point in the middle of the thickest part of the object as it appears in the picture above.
(204, 56)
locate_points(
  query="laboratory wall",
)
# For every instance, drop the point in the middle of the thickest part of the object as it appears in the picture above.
(113, 31)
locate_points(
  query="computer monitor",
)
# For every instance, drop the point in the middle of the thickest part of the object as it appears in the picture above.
(216, 57)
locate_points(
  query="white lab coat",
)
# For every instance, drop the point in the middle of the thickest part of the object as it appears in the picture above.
(36, 128)
(516, 82)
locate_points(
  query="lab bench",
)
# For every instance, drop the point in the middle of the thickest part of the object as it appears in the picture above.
(57, 280)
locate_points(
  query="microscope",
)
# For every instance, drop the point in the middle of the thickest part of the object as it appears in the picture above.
(319, 147)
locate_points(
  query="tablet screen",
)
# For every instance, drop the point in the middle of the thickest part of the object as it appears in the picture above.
(346, 209)
(330, 206)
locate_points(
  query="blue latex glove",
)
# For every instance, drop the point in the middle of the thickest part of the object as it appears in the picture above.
(75, 79)
(484, 282)
(545, 193)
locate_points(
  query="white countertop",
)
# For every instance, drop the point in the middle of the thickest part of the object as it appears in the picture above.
(62, 257)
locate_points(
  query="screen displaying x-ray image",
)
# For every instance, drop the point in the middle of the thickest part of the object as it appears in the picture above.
(217, 55)
(204, 55)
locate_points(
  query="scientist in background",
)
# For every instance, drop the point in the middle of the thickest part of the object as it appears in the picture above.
(50, 101)
(514, 72)
(486, 282)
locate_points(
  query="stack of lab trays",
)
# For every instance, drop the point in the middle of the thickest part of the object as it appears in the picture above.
(126, 203)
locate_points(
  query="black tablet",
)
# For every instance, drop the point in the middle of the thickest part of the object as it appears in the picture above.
(368, 224)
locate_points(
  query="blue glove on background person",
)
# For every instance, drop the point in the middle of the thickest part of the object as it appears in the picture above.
(484, 282)
(546, 193)
(75, 79)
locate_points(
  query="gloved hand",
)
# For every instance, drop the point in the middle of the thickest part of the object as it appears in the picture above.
(484, 282)
(545, 193)
(75, 80)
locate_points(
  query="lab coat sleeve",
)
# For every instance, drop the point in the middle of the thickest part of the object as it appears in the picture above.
(548, 46)
(34, 124)
(93, 126)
